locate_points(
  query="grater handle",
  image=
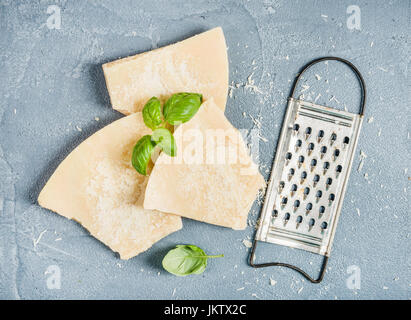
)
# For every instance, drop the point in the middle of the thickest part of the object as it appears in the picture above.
(346, 62)
(286, 265)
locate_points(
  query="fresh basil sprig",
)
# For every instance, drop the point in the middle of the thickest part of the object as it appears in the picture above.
(186, 259)
(165, 140)
(152, 113)
(179, 108)
(142, 153)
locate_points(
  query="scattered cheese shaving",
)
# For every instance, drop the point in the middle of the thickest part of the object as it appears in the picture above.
(362, 158)
(247, 243)
(36, 241)
(305, 87)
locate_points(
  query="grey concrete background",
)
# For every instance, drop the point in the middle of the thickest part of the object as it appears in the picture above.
(52, 86)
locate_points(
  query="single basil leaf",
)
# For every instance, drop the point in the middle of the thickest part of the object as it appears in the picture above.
(142, 154)
(185, 260)
(201, 267)
(152, 113)
(181, 107)
(165, 140)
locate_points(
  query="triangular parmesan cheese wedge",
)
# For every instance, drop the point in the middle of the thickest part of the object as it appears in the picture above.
(197, 64)
(212, 178)
(97, 186)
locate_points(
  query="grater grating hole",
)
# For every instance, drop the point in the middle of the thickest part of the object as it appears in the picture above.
(281, 186)
(293, 189)
(319, 195)
(303, 177)
(321, 211)
(308, 208)
(324, 225)
(326, 166)
(320, 136)
(306, 192)
(346, 140)
(311, 224)
(323, 151)
(328, 183)
(331, 198)
(288, 157)
(313, 164)
(298, 220)
(333, 138)
(308, 131)
(286, 218)
(336, 154)
(300, 161)
(296, 127)
(338, 170)
(311, 147)
(296, 205)
(284, 202)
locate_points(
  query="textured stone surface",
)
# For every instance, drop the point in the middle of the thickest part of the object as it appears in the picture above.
(52, 87)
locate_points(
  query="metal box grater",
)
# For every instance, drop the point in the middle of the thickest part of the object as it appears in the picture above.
(309, 176)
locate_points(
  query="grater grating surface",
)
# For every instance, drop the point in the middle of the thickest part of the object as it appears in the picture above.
(309, 176)
(308, 181)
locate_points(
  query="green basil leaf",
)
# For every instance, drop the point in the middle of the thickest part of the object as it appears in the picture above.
(165, 140)
(142, 153)
(152, 113)
(186, 259)
(181, 107)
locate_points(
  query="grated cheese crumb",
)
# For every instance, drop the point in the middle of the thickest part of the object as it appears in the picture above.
(247, 243)
(305, 87)
(36, 241)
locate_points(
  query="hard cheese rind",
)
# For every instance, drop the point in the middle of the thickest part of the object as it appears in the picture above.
(97, 186)
(197, 183)
(197, 64)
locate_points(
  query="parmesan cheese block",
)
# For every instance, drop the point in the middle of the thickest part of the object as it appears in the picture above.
(212, 178)
(197, 64)
(97, 186)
